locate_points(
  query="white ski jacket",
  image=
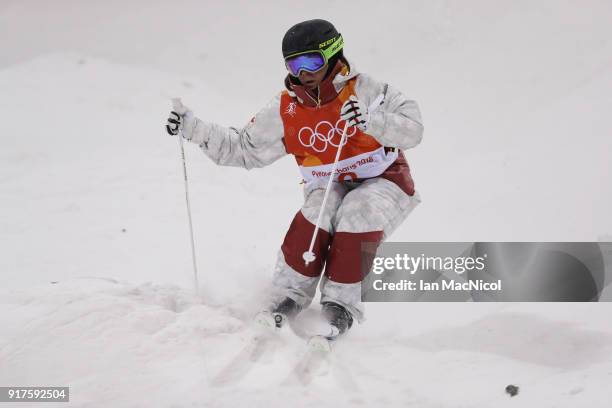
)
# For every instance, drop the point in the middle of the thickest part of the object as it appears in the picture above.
(396, 124)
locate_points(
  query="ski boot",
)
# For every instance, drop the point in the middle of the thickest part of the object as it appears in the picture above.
(279, 315)
(338, 317)
(339, 320)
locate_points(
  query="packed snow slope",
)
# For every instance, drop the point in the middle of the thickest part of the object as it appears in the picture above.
(95, 261)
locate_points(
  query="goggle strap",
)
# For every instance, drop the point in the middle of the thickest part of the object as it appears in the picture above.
(327, 52)
(334, 48)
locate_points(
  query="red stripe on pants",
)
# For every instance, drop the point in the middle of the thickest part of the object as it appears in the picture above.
(297, 242)
(346, 262)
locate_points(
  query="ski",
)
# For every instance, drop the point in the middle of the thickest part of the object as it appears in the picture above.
(268, 322)
(260, 344)
(316, 358)
(321, 343)
(311, 364)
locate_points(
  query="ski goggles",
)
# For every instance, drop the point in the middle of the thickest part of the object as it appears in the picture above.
(314, 60)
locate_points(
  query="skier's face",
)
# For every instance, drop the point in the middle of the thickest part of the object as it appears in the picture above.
(312, 79)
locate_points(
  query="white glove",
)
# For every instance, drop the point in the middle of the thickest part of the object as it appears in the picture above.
(355, 113)
(181, 119)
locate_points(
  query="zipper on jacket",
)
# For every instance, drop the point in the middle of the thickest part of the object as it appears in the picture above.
(318, 100)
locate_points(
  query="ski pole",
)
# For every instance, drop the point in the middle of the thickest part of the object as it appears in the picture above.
(179, 108)
(309, 255)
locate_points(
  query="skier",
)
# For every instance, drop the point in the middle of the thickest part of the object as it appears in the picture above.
(372, 192)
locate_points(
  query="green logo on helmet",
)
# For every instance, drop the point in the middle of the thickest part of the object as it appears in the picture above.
(334, 45)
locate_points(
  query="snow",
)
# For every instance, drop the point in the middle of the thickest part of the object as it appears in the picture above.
(95, 258)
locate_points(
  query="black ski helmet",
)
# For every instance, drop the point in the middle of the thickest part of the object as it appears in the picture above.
(309, 35)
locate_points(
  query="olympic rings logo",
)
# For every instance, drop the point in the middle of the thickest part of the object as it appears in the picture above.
(323, 135)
